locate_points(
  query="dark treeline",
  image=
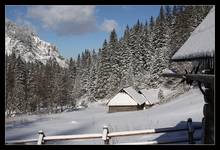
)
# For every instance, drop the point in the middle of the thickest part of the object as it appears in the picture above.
(135, 59)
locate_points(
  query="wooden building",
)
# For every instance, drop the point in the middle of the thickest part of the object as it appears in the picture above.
(127, 99)
(200, 49)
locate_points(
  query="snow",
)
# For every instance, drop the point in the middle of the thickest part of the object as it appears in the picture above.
(9, 43)
(92, 120)
(201, 43)
(167, 71)
(135, 95)
(122, 99)
(74, 122)
(146, 101)
(40, 50)
(151, 95)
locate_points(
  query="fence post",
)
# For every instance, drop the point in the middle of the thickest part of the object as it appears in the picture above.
(190, 131)
(105, 135)
(41, 137)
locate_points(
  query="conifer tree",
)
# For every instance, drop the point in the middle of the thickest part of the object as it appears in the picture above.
(19, 92)
(104, 72)
(93, 76)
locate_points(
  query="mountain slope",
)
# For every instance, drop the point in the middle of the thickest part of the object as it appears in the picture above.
(24, 42)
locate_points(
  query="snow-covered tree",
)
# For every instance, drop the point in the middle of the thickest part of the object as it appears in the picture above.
(19, 93)
(135, 59)
(126, 60)
(104, 72)
(72, 79)
(93, 76)
(115, 60)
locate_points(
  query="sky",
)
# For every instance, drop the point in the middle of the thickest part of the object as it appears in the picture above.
(74, 28)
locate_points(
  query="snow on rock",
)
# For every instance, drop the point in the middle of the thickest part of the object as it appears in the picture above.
(201, 43)
(92, 120)
(29, 46)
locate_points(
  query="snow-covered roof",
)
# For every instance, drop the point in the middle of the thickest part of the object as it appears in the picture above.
(135, 95)
(146, 101)
(151, 95)
(201, 43)
(132, 98)
(122, 99)
(167, 71)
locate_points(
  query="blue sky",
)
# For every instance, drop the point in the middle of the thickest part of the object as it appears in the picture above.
(76, 28)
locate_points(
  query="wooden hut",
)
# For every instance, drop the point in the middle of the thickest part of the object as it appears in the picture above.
(127, 99)
(200, 48)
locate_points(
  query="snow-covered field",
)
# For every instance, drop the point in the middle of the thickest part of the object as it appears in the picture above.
(92, 120)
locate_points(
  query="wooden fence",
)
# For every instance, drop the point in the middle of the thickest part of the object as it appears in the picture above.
(106, 136)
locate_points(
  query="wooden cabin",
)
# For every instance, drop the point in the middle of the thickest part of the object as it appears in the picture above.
(127, 99)
(200, 48)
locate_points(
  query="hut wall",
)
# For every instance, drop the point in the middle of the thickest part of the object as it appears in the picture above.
(124, 108)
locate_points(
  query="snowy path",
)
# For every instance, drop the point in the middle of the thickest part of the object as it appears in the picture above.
(91, 120)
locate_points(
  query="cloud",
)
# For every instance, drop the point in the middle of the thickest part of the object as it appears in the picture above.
(65, 20)
(109, 25)
(21, 21)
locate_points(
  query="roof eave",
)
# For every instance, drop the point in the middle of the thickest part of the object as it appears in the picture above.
(191, 58)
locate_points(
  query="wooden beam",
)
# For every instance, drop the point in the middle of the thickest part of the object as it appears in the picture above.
(105, 135)
(73, 137)
(190, 131)
(41, 138)
(149, 131)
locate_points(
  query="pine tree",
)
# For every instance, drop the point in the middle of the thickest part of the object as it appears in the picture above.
(115, 60)
(148, 48)
(147, 54)
(93, 76)
(29, 89)
(10, 84)
(40, 84)
(168, 12)
(72, 69)
(151, 23)
(160, 45)
(34, 83)
(72, 79)
(136, 59)
(140, 54)
(133, 44)
(86, 62)
(19, 93)
(104, 72)
(125, 60)
(64, 91)
(77, 85)
(50, 85)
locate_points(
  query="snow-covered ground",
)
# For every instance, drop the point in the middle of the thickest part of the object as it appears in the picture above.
(92, 120)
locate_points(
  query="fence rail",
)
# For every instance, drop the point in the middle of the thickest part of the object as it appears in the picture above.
(106, 136)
